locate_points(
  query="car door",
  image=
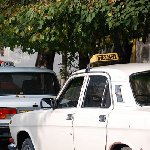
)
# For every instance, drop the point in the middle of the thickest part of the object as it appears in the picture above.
(90, 121)
(58, 129)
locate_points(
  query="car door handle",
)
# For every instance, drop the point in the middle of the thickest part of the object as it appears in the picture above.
(102, 118)
(69, 117)
(35, 105)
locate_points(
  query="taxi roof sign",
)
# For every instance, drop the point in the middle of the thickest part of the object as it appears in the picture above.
(104, 59)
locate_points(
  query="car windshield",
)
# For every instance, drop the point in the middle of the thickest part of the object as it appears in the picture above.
(28, 83)
(140, 83)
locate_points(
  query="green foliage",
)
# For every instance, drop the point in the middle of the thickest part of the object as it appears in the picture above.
(70, 24)
(132, 16)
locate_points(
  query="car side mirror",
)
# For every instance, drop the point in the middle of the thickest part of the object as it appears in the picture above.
(47, 103)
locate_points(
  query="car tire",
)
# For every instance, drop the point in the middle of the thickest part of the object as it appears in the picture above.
(126, 148)
(27, 145)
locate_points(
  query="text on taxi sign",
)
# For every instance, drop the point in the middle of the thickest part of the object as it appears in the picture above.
(108, 57)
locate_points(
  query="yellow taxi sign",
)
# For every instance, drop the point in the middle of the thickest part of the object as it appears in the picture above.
(104, 57)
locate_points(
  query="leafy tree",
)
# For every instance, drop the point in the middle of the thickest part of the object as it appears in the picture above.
(131, 15)
(71, 26)
(129, 19)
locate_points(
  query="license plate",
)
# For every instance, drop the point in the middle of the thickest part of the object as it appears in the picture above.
(26, 109)
(23, 111)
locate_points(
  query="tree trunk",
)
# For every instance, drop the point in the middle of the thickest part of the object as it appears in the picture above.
(83, 60)
(118, 47)
(128, 51)
(64, 65)
(39, 60)
(49, 59)
(45, 60)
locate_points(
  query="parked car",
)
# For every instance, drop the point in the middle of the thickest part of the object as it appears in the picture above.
(21, 90)
(100, 108)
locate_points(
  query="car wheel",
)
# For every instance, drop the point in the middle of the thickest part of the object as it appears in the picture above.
(126, 148)
(27, 145)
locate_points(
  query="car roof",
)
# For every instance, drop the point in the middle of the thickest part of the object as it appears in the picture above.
(120, 72)
(25, 69)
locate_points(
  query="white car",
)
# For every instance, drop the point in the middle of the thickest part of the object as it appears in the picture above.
(21, 90)
(102, 108)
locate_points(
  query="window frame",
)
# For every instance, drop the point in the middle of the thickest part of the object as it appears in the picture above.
(109, 83)
(63, 90)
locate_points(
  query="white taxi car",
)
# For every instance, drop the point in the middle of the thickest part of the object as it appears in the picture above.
(100, 108)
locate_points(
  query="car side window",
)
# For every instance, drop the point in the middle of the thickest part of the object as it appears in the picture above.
(71, 94)
(97, 94)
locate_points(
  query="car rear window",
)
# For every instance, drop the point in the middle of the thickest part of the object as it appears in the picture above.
(28, 83)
